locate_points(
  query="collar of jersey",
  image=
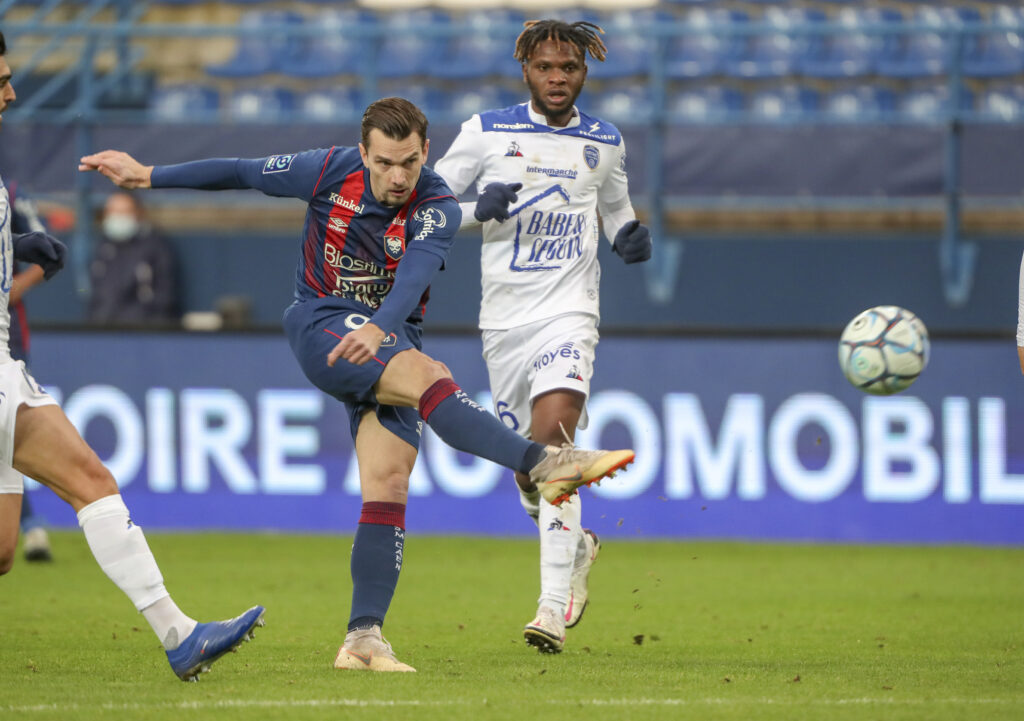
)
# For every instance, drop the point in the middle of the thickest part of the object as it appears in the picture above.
(539, 119)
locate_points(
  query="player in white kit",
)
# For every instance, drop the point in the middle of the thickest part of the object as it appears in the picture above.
(37, 439)
(544, 170)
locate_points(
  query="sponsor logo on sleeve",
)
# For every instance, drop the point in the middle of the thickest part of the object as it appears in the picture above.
(278, 163)
(430, 218)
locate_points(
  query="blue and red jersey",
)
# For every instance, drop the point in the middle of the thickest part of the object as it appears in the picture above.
(352, 245)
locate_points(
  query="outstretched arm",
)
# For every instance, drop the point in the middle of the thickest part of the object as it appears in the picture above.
(123, 170)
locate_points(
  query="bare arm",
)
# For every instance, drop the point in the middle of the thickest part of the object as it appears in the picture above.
(122, 169)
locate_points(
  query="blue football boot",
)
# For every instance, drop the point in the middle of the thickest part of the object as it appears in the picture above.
(210, 641)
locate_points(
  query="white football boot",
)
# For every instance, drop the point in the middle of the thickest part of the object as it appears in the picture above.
(547, 631)
(578, 593)
(565, 469)
(365, 649)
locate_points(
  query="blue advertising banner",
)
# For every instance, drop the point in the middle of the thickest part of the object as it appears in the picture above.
(752, 438)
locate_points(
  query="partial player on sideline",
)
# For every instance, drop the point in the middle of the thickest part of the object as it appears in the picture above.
(37, 439)
(540, 273)
(378, 227)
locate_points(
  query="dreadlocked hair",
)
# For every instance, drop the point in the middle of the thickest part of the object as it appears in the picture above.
(582, 34)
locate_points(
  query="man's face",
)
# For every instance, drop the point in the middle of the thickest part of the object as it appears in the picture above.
(7, 95)
(555, 74)
(394, 165)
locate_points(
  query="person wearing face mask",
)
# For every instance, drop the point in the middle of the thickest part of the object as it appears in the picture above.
(133, 269)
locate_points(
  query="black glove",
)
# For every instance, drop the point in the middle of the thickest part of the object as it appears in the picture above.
(42, 249)
(633, 242)
(494, 201)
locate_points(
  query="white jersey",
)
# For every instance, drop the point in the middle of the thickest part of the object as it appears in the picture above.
(1020, 304)
(6, 274)
(543, 261)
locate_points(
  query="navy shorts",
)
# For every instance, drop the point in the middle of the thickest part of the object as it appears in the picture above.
(314, 327)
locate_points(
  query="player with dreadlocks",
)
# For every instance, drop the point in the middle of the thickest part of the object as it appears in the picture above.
(543, 169)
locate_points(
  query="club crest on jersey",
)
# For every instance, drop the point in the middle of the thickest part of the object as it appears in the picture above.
(591, 155)
(278, 163)
(513, 150)
(393, 246)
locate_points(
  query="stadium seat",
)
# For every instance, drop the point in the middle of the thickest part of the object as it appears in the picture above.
(184, 103)
(431, 100)
(704, 104)
(630, 41)
(782, 103)
(779, 51)
(853, 50)
(1003, 101)
(463, 103)
(336, 104)
(706, 44)
(927, 49)
(999, 53)
(624, 104)
(262, 50)
(863, 103)
(930, 103)
(484, 47)
(340, 49)
(263, 105)
(405, 49)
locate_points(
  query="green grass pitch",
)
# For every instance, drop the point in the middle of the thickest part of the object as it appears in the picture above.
(675, 630)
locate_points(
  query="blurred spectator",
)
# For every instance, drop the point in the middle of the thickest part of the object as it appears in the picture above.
(133, 274)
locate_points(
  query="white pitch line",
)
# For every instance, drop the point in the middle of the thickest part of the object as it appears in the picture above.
(381, 703)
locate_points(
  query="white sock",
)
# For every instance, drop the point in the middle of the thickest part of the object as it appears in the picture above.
(120, 548)
(560, 532)
(530, 502)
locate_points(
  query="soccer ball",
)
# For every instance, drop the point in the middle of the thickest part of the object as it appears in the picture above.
(883, 350)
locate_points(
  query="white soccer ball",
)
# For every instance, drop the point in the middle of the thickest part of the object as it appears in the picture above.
(883, 350)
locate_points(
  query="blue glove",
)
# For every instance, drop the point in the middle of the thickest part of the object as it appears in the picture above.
(633, 242)
(494, 201)
(42, 249)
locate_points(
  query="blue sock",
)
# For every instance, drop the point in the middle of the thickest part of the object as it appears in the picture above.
(376, 562)
(466, 426)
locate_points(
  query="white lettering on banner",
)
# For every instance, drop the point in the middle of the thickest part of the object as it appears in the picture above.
(996, 485)
(215, 427)
(956, 449)
(114, 405)
(802, 483)
(160, 417)
(632, 411)
(689, 448)
(898, 432)
(272, 445)
(279, 440)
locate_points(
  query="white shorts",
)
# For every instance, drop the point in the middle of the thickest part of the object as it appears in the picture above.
(530, 360)
(16, 387)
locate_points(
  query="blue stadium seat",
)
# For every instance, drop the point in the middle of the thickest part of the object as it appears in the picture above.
(930, 103)
(339, 49)
(707, 103)
(464, 102)
(704, 51)
(331, 104)
(262, 105)
(1002, 101)
(183, 103)
(404, 49)
(863, 103)
(428, 98)
(853, 51)
(782, 103)
(630, 45)
(483, 48)
(928, 50)
(780, 51)
(999, 53)
(623, 104)
(258, 51)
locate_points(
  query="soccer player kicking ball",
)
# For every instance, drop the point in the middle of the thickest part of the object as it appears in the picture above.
(36, 439)
(540, 272)
(378, 227)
